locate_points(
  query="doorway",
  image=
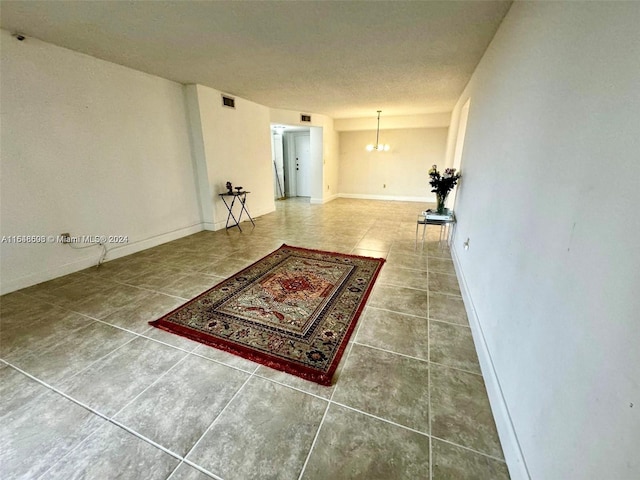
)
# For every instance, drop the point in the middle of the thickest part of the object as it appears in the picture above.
(291, 154)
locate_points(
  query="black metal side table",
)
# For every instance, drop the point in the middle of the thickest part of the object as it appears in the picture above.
(242, 197)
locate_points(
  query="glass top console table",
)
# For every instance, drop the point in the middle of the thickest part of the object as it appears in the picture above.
(242, 198)
(445, 221)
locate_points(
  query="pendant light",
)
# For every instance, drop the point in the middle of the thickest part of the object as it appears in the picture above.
(379, 147)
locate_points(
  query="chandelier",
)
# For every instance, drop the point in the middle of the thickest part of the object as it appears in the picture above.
(380, 147)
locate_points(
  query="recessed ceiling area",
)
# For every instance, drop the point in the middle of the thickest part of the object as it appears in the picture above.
(339, 58)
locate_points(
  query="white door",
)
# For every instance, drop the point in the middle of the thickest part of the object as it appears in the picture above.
(303, 165)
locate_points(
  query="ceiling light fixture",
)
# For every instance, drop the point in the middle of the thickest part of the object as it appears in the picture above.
(379, 147)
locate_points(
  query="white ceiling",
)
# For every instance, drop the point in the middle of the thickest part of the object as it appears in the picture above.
(339, 58)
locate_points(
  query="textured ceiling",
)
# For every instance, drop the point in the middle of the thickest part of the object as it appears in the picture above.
(340, 58)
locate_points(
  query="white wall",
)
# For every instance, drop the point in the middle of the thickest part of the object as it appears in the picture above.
(403, 169)
(87, 147)
(236, 148)
(549, 200)
(199, 154)
(331, 162)
(316, 172)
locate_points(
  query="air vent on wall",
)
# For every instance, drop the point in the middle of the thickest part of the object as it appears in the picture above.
(305, 118)
(228, 101)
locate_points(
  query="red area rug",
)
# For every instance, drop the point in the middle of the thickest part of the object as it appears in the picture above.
(294, 310)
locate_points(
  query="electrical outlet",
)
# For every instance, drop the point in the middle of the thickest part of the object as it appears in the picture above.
(66, 237)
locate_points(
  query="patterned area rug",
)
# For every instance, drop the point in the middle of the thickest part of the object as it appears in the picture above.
(294, 310)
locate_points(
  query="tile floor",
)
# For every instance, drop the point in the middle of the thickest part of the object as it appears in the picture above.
(89, 390)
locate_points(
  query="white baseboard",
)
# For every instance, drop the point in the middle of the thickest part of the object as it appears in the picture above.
(506, 431)
(223, 224)
(320, 201)
(397, 198)
(154, 241)
(90, 261)
(258, 212)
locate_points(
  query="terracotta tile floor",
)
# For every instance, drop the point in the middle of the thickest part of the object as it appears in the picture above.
(89, 390)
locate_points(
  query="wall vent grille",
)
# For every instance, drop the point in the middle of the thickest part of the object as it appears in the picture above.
(305, 118)
(228, 101)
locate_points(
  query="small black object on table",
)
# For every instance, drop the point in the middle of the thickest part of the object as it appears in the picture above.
(242, 197)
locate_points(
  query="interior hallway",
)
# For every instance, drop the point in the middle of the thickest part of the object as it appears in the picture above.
(89, 390)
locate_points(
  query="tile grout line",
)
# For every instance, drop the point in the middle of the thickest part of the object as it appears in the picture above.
(423, 360)
(95, 318)
(449, 323)
(197, 467)
(150, 385)
(501, 460)
(382, 282)
(297, 389)
(90, 321)
(391, 422)
(329, 402)
(126, 283)
(117, 423)
(142, 335)
(212, 423)
(456, 368)
(72, 282)
(137, 334)
(429, 292)
(429, 399)
(333, 402)
(150, 290)
(430, 410)
(421, 257)
(219, 362)
(95, 412)
(401, 313)
(80, 443)
(315, 438)
(403, 286)
(439, 292)
(87, 367)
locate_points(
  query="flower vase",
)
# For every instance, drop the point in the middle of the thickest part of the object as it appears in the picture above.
(440, 200)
